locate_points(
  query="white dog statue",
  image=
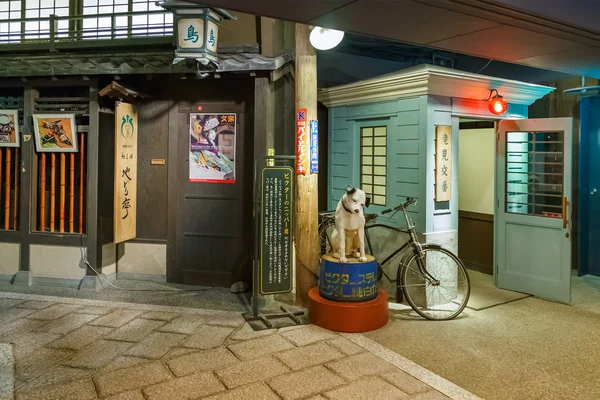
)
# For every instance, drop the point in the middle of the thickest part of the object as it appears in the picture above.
(348, 237)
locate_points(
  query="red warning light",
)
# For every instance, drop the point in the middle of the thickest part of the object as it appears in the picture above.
(199, 108)
(498, 105)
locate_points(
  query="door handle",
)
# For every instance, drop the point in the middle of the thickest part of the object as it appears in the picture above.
(564, 212)
(593, 192)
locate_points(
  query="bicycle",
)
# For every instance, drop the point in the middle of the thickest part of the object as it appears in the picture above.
(433, 280)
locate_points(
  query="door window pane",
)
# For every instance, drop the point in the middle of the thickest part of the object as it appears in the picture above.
(373, 151)
(534, 173)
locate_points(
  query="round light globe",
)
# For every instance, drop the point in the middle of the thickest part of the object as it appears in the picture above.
(325, 39)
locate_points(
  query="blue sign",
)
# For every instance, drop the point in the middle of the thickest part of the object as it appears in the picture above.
(314, 147)
(348, 282)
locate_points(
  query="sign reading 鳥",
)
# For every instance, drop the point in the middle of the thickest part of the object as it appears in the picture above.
(443, 163)
(301, 142)
(126, 134)
(277, 206)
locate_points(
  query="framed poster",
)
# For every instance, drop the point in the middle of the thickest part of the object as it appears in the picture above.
(9, 128)
(55, 133)
(212, 147)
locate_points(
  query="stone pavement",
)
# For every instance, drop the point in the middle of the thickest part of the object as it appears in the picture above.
(88, 349)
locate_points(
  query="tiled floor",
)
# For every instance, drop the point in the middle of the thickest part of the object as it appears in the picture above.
(86, 349)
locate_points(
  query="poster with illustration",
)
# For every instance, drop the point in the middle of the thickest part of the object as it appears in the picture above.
(55, 133)
(9, 128)
(212, 148)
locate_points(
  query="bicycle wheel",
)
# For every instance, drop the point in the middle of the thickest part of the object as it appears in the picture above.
(325, 229)
(443, 291)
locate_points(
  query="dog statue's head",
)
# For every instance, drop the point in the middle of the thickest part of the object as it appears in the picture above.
(355, 199)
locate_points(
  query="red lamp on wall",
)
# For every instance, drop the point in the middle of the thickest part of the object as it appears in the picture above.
(497, 104)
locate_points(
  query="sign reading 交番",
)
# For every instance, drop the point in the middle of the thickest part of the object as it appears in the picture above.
(443, 163)
(125, 197)
(276, 223)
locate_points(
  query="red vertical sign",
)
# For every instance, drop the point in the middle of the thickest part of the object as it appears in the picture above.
(301, 144)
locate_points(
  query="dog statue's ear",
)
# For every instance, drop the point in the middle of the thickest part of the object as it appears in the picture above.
(367, 201)
(350, 189)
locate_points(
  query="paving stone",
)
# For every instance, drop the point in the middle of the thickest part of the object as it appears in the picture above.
(247, 333)
(135, 330)
(67, 323)
(308, 356)
(53, 312)
(156, 345)
(317, 397)
(431, 395)
(8, 303)
(78, 390)
(117, 318)
(17, 327)
(186, 324)
(305, 383)
(130, 395)
(308, 335)
(202, 361)
(40, 361)
(179, 351)
(256, 391)
(260, 347)
(7, 371)
(251, 371)
(58, 375)
(36, 305)
(98, 354)
(123, 362)
(80, 338)
(359, 365)
(94, 310)
(160, 316)
(27, 343)
(185, 388)
(405, 382)
(233, 321)
(13, 314)
(208, 337)
(346, 346)
(126, 379)
(372, 387)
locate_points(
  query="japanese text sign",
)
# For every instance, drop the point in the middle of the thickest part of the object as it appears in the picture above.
(190, 33)
(443, 163)
(125, 196)
(301, 142)
(314, 147)
(276, 223)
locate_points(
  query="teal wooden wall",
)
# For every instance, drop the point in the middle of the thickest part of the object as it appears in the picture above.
(406, 121)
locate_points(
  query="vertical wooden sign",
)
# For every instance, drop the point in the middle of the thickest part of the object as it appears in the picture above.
(443, 163)
(125, 197)
(301, 142)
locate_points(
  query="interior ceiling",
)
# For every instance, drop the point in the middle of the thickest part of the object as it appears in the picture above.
(482, 28)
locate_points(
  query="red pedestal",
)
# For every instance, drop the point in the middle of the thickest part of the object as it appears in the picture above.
(346, 316)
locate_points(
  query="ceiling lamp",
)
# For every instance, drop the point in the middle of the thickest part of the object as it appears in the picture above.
(325, 39)
(497, 104)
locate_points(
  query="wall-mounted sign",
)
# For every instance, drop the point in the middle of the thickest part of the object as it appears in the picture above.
(212, 148)
(277, 207)
(190, 33)
(125, 197)
(301, 142)
(443, 163)
(55, 133)
(314, 147)
(9, 128)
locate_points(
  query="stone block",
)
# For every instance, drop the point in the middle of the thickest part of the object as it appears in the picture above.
(208, 337)
(67, 323)
(186, 388)
(431, 395)
(27, 343)
(368, 388)
(256, 391)
(117, 318)
(36, 305)
(94, 310)
(8, 303)
(137, 377)
(260, 347)
(251, 371)
(359, 365)
(405, 382)
(123, 362)
(40, 361)
(308, 382)
(80, 338)
(57, 375)
(160, 316)
(346, 346)
(129, 395)
(54, 312)
(185, 324)
(78, 390)
(98, 354)
(308, 356)
(247, 333)
(135, 330)
(308, 335)
(232, 321)
(202, 361)
(156, 345)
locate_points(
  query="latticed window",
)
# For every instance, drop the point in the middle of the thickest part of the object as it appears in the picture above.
(373, 162)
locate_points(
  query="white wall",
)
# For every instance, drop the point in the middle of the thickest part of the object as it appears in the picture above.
(61, 262)
(476, 170)
(143, 258)
(9, 258)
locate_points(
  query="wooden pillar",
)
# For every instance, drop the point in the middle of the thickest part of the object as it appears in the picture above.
(306, 226)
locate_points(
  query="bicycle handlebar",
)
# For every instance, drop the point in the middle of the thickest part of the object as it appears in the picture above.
(409, 201)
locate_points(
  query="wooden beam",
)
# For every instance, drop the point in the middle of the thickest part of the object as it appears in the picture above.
(307, 199)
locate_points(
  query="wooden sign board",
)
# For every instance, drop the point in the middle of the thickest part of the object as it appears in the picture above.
(443, 163)
(125, 197)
